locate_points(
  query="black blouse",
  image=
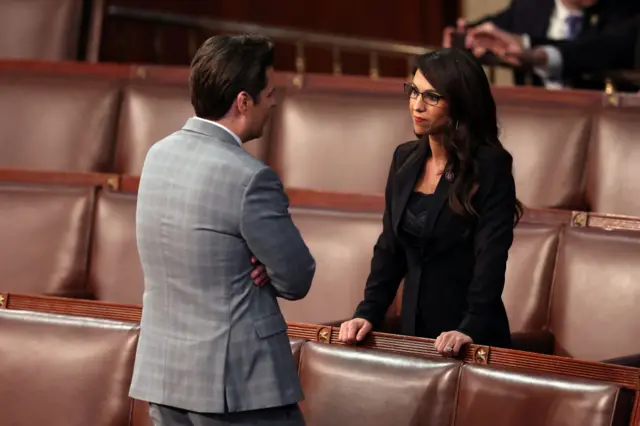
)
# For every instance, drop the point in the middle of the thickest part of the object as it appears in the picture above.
(415, 218)
(419, 206)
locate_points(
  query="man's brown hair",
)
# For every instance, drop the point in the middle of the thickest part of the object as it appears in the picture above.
(223, 67)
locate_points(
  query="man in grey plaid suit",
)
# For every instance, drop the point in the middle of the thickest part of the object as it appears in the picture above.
(217, 247)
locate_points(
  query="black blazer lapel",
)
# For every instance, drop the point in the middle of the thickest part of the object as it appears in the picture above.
(405, 180)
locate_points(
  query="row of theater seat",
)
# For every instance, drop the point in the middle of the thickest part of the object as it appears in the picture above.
(85, 381)
(563, 282)
(50, 29)
(328, 134)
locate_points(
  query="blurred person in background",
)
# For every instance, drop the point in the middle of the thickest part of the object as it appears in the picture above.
(616, 49)
(534, 23)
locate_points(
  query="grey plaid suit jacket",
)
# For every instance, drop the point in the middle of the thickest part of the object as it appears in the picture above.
(211, 341)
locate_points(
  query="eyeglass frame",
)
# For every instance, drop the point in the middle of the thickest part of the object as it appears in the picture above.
(412, 92)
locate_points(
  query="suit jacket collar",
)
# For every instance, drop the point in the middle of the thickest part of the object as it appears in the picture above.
(212, 130)
(540, 18)
(405, 182)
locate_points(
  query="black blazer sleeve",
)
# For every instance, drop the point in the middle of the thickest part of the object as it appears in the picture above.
(495, 205)
(388, 265)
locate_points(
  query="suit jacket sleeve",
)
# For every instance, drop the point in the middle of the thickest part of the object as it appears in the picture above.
(272, 237)
(388, 266)
(493, 238)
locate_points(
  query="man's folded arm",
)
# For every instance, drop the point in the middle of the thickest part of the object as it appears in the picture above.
(272, 237)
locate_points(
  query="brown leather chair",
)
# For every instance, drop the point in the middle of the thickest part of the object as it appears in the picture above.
(115, 273)
(40, 29)
(549, 146)
(594, 308)
(140, 414)
(612, 184)
(336, 141)
(347, 386)
(57, 123)
(342, 245)
(151, 112)
(65, 371)
(527, 288)
(351, 386)
(495, 396)
(44, 243)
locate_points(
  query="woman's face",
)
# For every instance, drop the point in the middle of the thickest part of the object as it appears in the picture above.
(429, 110)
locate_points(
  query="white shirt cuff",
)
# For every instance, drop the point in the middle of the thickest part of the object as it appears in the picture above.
(553, 69)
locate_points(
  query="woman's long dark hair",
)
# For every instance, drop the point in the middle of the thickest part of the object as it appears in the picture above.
(458, 77)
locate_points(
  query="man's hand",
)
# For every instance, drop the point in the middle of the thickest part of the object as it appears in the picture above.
(354, 330)
(488, 38)
(450, 343)
(447, 34)
(259, 273)
(534, 58)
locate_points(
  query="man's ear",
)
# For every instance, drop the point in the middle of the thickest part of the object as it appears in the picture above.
(243, 101)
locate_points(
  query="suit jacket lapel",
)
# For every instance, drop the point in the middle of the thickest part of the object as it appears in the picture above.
(405, 180)
(541, 16)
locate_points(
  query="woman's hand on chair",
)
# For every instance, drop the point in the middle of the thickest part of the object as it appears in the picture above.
(354, 330)
(449, 343)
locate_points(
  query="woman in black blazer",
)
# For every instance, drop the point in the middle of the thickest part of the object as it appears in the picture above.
(450, 211)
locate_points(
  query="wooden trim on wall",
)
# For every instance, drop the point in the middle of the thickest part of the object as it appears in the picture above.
(159, 74)
(345, 202)
(106, 180)
(612, 222)
(352, 83)
(129, 184)
(69, 306)
(328, 200)
(547, 216)
(65, 68)
(529, 95)
(292, 81)
(627, 377)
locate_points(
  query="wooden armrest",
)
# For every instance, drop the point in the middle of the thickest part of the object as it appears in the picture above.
(390, 325)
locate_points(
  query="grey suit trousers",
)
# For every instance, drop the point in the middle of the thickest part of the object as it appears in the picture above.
(289, 415)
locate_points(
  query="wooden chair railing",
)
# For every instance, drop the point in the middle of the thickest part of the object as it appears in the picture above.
(623, 376)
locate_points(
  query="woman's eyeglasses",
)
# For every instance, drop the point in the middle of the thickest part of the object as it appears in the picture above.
(429, 97)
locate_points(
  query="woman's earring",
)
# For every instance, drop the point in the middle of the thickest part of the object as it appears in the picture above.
(457, 122)
(449, 176)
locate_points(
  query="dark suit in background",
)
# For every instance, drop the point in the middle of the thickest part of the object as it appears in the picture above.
(533, 17)
(617, 48)
(454, 269)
